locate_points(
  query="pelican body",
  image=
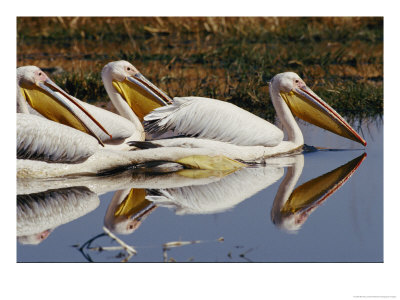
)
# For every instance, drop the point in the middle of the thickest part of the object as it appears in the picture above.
(218, 124)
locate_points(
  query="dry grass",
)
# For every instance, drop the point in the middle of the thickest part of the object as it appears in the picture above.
(226, 58)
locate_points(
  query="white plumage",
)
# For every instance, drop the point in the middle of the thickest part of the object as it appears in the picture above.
(42, 139)
(213, 119)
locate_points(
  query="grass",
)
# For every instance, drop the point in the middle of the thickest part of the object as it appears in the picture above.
(230, 59)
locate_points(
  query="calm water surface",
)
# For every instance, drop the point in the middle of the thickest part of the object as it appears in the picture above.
(324, 206)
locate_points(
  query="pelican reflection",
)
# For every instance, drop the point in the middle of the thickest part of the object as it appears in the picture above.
(44, 204)
(138, 194)
(38, 214)
(127, 210)
(292, 207)
(190, 192)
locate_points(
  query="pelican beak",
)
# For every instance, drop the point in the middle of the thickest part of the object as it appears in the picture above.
(306, 105)
(141, 95)
(55, 104)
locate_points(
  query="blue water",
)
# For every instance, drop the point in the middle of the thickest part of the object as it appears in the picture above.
(346, 227)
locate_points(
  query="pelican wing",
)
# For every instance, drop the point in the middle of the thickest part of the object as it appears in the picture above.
(212, 119)
(42, 139)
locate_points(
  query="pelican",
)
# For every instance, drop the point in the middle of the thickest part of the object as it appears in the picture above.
(132, 94)
(59, 135)
(217, 125)
(38, 95)
(238, 134)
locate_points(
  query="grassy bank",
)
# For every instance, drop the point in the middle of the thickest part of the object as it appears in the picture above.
(231, 59)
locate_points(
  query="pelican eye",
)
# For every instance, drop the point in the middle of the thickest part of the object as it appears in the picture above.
(40, 73)
(128, 68)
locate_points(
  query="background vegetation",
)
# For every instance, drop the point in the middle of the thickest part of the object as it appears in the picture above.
(228, 58)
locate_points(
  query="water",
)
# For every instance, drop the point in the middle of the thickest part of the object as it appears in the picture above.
(237, 218)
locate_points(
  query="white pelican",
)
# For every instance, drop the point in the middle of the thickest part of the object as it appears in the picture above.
(69, 140)
(38, 95)
(132, 94)
(238, 134)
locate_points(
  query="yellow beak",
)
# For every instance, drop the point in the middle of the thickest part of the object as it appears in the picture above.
(141, 95)
(56, 105)
(306, 105)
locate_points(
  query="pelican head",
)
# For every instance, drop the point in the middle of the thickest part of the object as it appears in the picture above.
(130, 92)
(43, 95)
(30, 75)
(306, 105)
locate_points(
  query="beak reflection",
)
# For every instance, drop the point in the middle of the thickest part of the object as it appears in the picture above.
(291, 212)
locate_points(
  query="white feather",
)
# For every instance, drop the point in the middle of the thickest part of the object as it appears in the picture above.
(39, 138)
(213, 119)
